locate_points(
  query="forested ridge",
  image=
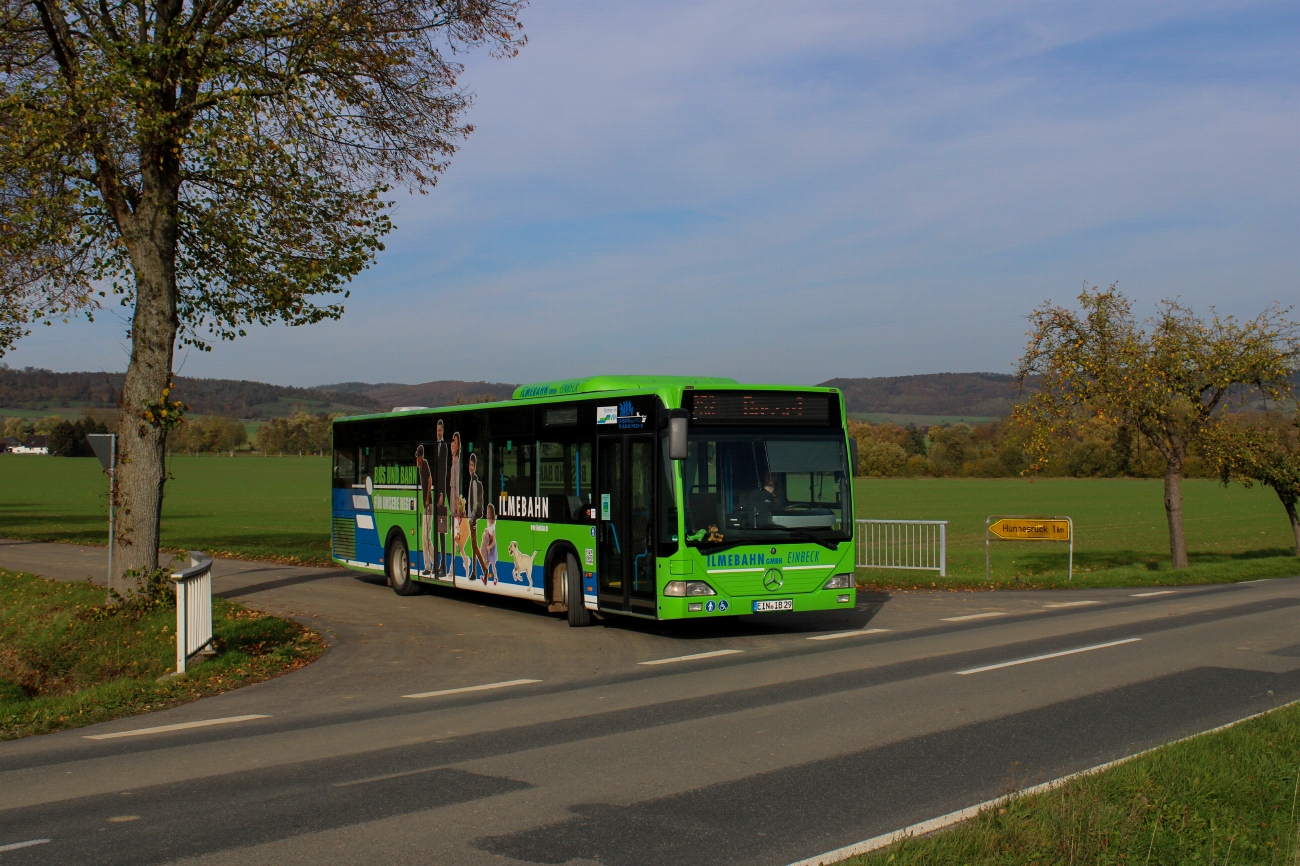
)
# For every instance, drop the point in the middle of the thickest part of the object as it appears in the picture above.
(33, 388)
(990, 395)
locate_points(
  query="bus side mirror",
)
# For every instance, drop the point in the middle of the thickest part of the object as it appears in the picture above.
(677, 420)
(853, 455)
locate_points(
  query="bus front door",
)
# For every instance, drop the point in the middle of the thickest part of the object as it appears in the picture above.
(626, 568)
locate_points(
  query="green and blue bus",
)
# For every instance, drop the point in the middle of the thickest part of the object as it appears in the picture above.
(662, 497)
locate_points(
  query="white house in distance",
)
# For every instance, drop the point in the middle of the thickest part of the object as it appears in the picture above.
(32, 445)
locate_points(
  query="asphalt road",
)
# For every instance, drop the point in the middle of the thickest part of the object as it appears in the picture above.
(795, 735)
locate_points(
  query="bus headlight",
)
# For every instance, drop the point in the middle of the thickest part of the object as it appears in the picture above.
(679, 588)
(840, 581)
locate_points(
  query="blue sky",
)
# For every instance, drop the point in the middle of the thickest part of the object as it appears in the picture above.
(793, 192)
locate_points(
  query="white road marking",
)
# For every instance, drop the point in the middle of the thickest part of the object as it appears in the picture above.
(840, 634)
(974, 616)
(387, 776)
(693, 657)
(483, 688)
(140, 732)
(14, 846)
(1071, 603)
(1157, 592)
(885, 840)
(1069, 652)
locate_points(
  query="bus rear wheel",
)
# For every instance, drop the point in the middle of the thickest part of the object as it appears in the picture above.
(397, 561)
(578, 614)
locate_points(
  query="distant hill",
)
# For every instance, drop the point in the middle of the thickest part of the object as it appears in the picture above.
(937, 396)
(444, 392)
(988, 395)
(41, 390)
(38, 390)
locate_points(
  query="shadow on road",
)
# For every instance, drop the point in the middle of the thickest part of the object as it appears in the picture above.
(869, 605)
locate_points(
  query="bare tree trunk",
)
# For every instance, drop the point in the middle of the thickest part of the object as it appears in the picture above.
(1174, 511)
(142, 444)
(1295, 523)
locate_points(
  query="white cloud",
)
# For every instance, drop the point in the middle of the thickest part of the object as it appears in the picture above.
(799, 192)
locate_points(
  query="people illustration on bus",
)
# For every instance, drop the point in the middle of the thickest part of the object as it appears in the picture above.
(441, 469)
(454, 506)
(426, 516)
(475, 514)
(489, 546)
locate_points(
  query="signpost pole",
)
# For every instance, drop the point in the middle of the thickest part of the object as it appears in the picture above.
(986, 548)
(1022, 528)
(1069, 574)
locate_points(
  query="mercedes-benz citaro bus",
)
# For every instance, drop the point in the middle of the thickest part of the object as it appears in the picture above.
(662, 497)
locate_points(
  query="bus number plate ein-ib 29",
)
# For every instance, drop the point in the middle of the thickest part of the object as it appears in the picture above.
(773, 604)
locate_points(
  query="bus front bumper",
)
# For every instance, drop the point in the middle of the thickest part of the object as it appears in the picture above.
(722, 605)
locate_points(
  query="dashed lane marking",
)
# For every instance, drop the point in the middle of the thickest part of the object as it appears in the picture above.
(692, 657)
(162, 729)
(974, 616)
(839, 634)
(1071, 603)
(14, 846)
(1157, 592)
(483, 688)
(1056, 655)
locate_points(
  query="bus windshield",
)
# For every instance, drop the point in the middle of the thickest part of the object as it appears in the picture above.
(765, 487)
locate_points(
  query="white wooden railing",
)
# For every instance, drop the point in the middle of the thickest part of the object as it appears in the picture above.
(911, 544)
(193, 609)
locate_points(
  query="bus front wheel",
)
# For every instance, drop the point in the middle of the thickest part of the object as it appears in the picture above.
(398, 564)
(578, 613)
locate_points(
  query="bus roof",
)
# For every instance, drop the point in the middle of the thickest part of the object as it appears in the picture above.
(561, 389)
(595, 384)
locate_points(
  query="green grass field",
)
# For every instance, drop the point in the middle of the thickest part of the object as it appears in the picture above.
(278, 507)
(259, 507)
(1226, 797)
(1121, 537)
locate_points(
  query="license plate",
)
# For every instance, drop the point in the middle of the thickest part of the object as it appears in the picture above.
(774, 604)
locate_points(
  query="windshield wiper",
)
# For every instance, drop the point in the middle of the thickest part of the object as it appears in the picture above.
(805, 534)
(707, 547)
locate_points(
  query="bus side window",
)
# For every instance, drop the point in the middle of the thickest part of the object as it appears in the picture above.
(345, 467)
(513, 464)
(365, 465)
(668, 532)
(564, 469)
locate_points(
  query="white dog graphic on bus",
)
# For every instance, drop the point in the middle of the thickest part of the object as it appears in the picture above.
(523, 564)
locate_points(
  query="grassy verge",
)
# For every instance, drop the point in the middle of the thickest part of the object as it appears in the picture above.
(67, 661)
(1226, 797)
(1203, 570)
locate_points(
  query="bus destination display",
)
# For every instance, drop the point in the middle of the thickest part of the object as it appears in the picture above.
(761, 407)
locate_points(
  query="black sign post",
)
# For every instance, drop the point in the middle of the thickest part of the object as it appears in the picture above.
(105, 447)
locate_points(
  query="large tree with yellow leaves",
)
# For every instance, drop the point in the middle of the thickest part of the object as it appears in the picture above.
(1163, 378)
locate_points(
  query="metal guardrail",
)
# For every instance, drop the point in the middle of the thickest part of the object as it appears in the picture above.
(193, 609)
(918, 545)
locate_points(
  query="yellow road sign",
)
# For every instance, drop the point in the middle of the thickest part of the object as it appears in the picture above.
(1031, 529)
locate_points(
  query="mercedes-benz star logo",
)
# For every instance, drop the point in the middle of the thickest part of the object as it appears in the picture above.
(773, 580)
